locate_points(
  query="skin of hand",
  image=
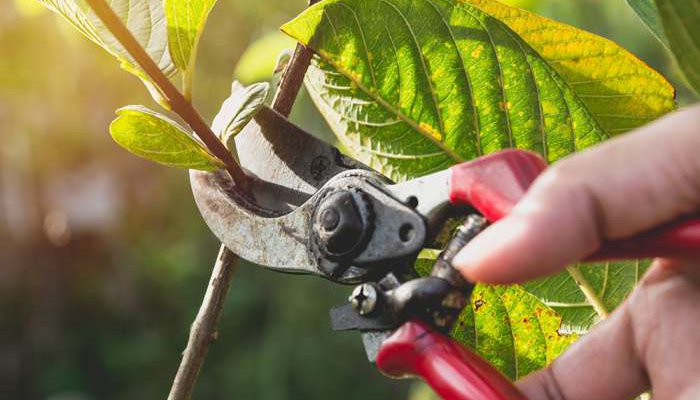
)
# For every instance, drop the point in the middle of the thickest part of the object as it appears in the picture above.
(623, 187)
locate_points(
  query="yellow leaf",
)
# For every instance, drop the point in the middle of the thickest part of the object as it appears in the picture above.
(618, 88)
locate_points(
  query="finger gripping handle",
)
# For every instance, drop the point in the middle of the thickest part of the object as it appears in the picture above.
(454, 372)
(495, 183)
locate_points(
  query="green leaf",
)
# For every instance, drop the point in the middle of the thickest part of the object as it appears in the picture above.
(186, 20)
(259, 60)
(620, 91)
(610, 282)
(155, 137)
(238, 110)
(512, 329)
(413, 86)
(434, 82)
(145, 19)
(649, 14)
(681, 21)
(283, 59)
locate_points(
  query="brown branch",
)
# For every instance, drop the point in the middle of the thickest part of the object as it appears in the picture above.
(177, 101)
(292, 78)
(203, 330)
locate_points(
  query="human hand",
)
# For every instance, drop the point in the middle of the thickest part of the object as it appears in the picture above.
(623, 187)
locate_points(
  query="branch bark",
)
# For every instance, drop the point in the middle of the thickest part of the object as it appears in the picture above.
(292, 78)
(177, 101)
(203, 330)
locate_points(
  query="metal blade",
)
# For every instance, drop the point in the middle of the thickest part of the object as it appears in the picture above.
(288, 166)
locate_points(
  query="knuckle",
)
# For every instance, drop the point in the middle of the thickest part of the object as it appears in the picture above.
(563, 184)
(565, 177)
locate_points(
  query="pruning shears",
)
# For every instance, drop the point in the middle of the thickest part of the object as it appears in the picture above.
(312, 210)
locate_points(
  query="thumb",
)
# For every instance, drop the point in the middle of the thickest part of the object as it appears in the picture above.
(625, 186)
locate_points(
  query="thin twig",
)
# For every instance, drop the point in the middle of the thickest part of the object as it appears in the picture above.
(292, 78)
(203, 329)
(204, 326)
(177, 101)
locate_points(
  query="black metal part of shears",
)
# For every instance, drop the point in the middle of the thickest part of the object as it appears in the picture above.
(315, 211)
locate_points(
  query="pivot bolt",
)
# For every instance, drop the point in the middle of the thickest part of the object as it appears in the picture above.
(330, 219)
(341, 223)
(364, 298)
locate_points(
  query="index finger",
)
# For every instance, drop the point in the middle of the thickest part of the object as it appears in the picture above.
(623, 187)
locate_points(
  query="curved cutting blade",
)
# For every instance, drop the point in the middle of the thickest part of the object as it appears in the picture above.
(287, 166)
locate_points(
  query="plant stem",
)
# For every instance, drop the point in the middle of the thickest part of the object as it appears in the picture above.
(203, 331)
(292, 80)
(177, 101)
(292, 77)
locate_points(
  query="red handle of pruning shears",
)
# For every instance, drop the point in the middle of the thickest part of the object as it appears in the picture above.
(493, 185)
(454, 372)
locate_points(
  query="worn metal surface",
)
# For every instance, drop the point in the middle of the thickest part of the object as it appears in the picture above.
(365, 298)
(255, 234)
(396, 232)
(284, 223)
(290, 165)
(290, 242)
(429, 195)
(293, 172)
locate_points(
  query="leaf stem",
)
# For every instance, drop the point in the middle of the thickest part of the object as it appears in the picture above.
(177, 101)
(588, 291)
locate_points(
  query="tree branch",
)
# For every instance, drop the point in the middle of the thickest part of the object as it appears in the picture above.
(292, 78)
(203, 330)
(177, 101)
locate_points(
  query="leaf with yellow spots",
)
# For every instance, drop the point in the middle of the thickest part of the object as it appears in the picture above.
(512, 329)
(485, 76)
(620, 90)
(450, 80)
(430, 131)
(477, 51)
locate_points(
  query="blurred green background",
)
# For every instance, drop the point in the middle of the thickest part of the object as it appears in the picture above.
(103, 257)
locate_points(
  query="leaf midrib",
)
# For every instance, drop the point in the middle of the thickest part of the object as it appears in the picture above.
(470, 88)
(391, 109)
